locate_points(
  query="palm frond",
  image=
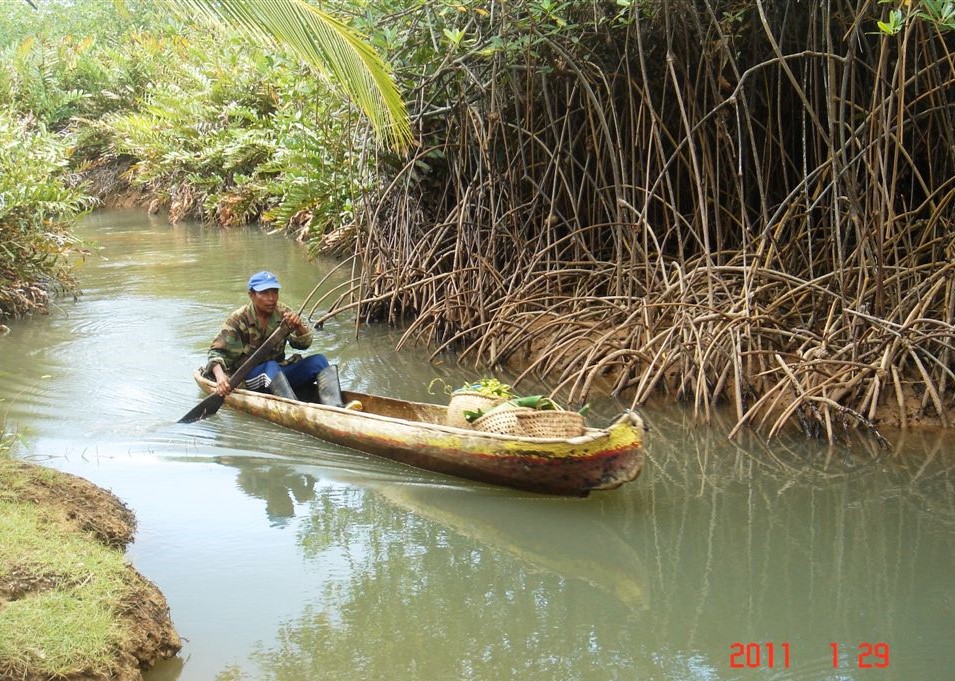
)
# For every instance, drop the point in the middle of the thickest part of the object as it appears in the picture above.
(325, 44)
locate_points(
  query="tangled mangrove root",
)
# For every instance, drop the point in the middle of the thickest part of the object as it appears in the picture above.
(777, 347)
(17, 300)
(742, 203)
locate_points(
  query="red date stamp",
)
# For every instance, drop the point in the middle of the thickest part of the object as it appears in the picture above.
(753, 655)
(871, 655)
(772, 655)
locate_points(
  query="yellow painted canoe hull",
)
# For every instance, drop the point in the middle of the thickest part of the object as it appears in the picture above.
(415, 433)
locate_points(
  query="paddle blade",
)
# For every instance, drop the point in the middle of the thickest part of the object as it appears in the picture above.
(207, 407)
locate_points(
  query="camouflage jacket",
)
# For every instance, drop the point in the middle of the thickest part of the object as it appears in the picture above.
(242, 334)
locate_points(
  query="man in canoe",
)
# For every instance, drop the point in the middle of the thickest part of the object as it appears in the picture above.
(246, 329)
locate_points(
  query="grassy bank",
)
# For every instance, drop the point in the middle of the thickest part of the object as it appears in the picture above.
(71, 607)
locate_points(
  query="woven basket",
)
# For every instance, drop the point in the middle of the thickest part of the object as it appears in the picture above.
(503, 420)
(550, 423)
(468, 400)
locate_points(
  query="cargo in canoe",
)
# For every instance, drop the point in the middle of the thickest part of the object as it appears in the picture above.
(416, 434)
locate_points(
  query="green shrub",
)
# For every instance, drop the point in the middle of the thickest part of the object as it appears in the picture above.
(37, 210)
(202, 133)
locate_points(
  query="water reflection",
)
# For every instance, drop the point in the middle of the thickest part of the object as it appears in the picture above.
(781, 541)
(544, 535)
(286, 558)
(281, 487)
(425, 581)
(456, 585)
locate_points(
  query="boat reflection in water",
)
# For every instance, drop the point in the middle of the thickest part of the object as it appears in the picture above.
(560, 537)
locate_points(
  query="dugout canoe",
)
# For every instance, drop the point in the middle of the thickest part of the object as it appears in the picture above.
(415, 433)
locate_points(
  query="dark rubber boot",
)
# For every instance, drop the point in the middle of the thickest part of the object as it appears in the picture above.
(329, 389)
(280, 387)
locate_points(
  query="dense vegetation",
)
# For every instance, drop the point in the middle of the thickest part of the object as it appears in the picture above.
(725, 201)
(737, 202)
(107, 105)
(37, 205)
(43, 84)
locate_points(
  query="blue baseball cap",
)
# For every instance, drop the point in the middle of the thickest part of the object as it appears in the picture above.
(263, 281)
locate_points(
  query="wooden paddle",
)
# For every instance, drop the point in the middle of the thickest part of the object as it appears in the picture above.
(211, 404)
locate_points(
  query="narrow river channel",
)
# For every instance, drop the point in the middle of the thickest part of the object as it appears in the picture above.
(287, 559)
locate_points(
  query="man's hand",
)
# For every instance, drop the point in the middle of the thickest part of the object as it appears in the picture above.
(223, 387)
(293, 321)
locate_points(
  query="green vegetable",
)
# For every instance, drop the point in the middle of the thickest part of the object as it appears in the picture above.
(536, 402)
(490, 387)
(540, 402)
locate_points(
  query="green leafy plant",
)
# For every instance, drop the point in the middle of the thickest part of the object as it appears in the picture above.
(894, 24)
(9, 437)
(37, 211)
(939, 12)
(490, 387)
(455, 36)
(321, 41)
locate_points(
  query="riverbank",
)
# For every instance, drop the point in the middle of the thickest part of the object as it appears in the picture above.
(71, 607)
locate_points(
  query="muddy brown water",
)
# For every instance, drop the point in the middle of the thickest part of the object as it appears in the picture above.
(289, 559)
